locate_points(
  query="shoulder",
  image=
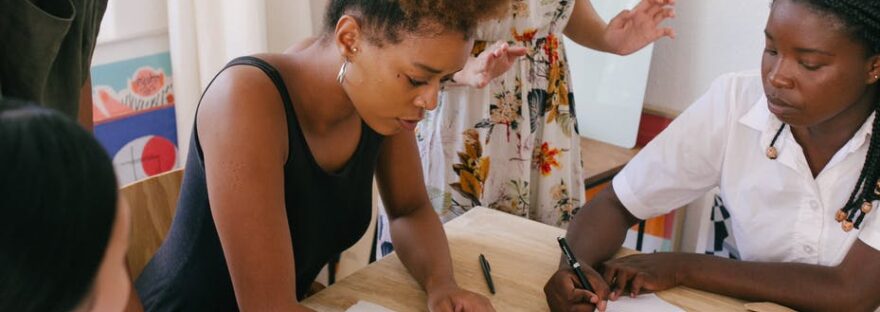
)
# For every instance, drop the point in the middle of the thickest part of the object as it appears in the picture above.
(242, 103)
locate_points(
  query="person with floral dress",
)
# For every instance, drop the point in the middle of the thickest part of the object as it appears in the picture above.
(513, 144)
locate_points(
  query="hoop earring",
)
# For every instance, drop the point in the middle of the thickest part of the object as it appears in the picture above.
(341, 76)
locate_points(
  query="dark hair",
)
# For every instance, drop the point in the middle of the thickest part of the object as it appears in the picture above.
(387, 18)
(861, 19)
(58, 204)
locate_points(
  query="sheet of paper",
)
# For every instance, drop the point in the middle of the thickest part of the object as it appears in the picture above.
(366, 306)
(647, 302)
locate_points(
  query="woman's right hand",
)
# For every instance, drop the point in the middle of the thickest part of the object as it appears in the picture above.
(565, 293)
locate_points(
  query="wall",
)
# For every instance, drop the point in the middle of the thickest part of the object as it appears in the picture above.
(714, 37)
(287, 24)
(121, 38)
(318, 8)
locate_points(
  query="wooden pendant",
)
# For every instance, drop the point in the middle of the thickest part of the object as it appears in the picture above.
(846, 225)
(841, 215)
(866, 207)
(772, 153)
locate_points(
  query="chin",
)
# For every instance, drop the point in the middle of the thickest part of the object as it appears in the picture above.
(387, 128)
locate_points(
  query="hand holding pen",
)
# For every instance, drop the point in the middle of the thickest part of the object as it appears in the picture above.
(570, 287)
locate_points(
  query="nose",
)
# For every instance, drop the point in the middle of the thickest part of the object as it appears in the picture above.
(779, 75)
(428, 99)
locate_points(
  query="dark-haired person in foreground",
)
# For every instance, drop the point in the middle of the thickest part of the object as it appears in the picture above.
(63, 231)
(285, 147)
(795, 152)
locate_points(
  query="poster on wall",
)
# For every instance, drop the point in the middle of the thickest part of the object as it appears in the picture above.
(133, 113)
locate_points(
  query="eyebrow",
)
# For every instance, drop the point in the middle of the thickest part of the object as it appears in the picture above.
(427, 68)
(802, 50)
(808, 50)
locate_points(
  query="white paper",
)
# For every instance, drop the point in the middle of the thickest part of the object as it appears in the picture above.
(366, 306)
(647, 302)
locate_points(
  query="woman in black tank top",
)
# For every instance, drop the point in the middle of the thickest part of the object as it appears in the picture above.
(283, 154)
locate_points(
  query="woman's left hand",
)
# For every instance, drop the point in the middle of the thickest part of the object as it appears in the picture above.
(491, 63)
(644, 273)
(454, 299)
(632, 30)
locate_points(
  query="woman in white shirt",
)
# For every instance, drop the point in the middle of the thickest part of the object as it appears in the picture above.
(793, 153)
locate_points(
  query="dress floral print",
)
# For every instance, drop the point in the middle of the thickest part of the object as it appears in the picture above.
(513, 145)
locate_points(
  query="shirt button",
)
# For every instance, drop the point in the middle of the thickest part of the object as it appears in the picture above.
(814, 204)
(808, 249)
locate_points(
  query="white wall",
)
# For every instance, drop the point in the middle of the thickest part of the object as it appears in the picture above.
(288, 24)
(714, 37)
(121, 39)
(318, 8)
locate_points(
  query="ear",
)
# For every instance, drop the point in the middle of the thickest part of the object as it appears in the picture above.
(873, 69)
(348, 35)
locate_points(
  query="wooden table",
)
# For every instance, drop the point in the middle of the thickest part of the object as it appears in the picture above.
(522, 253)
(602, 160)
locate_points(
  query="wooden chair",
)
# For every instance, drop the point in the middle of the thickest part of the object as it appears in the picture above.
(152, 202)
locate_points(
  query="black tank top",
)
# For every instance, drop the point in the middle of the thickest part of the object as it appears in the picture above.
(326, 213)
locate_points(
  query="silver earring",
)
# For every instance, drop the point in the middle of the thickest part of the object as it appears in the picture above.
(341, 76)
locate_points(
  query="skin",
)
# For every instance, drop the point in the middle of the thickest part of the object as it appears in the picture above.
(112, 286)
(84, 114)
(387, 86)
(821, 81)
(628, 32)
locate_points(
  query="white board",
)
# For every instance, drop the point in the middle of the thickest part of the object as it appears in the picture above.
(609, 90)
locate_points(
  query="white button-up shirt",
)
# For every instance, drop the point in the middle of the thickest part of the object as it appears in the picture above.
(779, 212)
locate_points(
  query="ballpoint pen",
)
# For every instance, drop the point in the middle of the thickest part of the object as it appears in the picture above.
(486, 269)
(569, 256)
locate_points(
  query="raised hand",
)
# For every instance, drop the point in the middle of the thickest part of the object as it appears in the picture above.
(491, 63)
(632, 30)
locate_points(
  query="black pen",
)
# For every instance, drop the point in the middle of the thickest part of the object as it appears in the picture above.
(573, 263)
(485, 265)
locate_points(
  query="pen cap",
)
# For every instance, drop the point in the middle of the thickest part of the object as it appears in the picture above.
(565, 249)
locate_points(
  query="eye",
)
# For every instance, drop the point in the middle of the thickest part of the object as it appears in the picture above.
(770, 51)
(416, 83)
(810, 67)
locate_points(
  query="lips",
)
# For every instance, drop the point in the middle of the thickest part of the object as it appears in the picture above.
(409, 124)
(778, 106)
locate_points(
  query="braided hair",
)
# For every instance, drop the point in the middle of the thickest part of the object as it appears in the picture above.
(861, 19)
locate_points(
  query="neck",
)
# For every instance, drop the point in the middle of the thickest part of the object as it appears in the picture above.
(321, 102)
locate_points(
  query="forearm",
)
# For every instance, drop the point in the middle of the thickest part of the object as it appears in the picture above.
(84, 113)
(422, 247)
(599, 229)
(804, 287)
(586, 27)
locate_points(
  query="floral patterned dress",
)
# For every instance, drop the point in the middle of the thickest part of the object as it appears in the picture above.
(511, 146)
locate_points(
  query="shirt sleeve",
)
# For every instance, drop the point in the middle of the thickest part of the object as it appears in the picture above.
(684, 161)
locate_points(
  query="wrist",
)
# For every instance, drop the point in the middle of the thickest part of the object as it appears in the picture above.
(685, 269)
(459, 78)
(439, 284)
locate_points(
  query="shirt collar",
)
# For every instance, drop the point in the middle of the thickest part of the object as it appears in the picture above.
(760, 119)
